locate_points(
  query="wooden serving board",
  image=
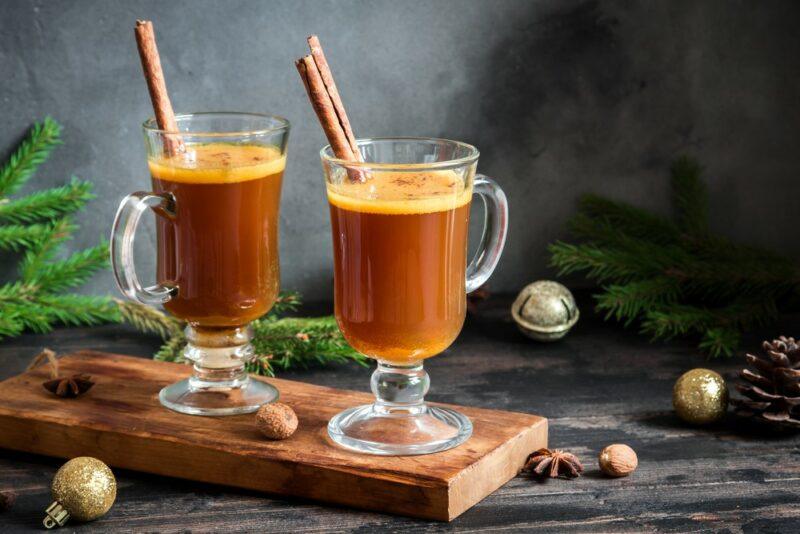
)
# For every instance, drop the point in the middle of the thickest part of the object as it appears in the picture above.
(121, 422)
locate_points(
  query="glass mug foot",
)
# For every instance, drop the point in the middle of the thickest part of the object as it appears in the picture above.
(399, 422)
(219, 384)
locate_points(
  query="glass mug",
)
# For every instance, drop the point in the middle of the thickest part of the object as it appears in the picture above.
(216, 201)
(400, 221)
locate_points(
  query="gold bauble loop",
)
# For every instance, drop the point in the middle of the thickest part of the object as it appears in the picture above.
(700, 396)
(85, 487)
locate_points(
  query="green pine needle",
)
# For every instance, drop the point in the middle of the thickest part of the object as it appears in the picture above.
(31, 153)
(36, 225)
(675, 279)
(280, 343)
(54, 277)
(17, 237)
(45, 248)
(48, 204)
(148, 319)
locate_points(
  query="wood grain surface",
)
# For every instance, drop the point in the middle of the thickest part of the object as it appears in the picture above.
(121, 422)
(602, 384)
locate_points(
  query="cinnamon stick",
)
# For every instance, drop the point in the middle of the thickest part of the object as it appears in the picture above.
(330, 85)
(318, 81)
(157, 86)
(324, 107)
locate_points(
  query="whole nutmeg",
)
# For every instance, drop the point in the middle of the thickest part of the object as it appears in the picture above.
(276, 420)
(618, 460)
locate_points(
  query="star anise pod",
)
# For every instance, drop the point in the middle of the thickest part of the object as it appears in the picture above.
(71, 386)
(553, 463)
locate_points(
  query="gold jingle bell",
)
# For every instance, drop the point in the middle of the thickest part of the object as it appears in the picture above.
(700, 396)
(84, 489)
(545, 310)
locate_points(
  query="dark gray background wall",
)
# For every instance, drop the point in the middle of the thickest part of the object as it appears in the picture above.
(561, 97)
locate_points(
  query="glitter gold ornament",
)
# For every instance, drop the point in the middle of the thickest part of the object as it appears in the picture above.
(84, 489)
(545, 310)
(700, 396)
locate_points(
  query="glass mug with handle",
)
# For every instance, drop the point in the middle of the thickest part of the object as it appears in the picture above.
(400, 222)
(216, 201)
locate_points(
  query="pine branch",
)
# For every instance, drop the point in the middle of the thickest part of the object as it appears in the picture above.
(631, 259)
(713, 324)
(690, 196)
(721, 341)
(36, 225)
(149, 320)
(31, 153)
(172, 350)
(17, 237)
(279, 343)
(300, 342)
(10, 324)
(629, 301)
(73, 271)
(79, 310)
(48, 204)
(677, 279)
(287, 301)
(622, 217)
(45, 247)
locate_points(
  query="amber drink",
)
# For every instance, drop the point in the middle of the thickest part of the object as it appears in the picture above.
(220, 249)
(399, 262)
(216, 187)
(399, 221)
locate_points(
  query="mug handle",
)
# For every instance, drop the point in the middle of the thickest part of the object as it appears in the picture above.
(122, 236)
(495, 228)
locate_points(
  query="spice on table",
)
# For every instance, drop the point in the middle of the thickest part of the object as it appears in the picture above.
(63, 386)
(618, 460)
(553, 463)
(69, 386)
(276, 420)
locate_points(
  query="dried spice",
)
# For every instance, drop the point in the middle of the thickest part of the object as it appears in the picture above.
(553, 464)
(276, 420)
(72, 386)
(618, 460)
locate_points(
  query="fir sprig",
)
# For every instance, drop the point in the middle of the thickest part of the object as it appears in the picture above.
(674, 277)
(31, 153)
(280, 343)
(36, 225)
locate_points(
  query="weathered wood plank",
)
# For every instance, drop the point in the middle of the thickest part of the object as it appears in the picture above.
(121, 422)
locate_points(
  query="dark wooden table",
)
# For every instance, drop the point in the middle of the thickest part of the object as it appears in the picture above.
(600, 385)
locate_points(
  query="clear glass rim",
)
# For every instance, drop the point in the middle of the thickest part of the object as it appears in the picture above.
(151, 127)
(326, 153)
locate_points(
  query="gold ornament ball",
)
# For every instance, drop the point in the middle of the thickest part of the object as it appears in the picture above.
(85, 487)
(700, 396)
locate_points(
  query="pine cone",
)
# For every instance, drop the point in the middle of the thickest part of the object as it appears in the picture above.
(773, 392)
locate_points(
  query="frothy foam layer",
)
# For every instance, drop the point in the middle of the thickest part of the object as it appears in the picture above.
(219, 163)
(402, 192)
